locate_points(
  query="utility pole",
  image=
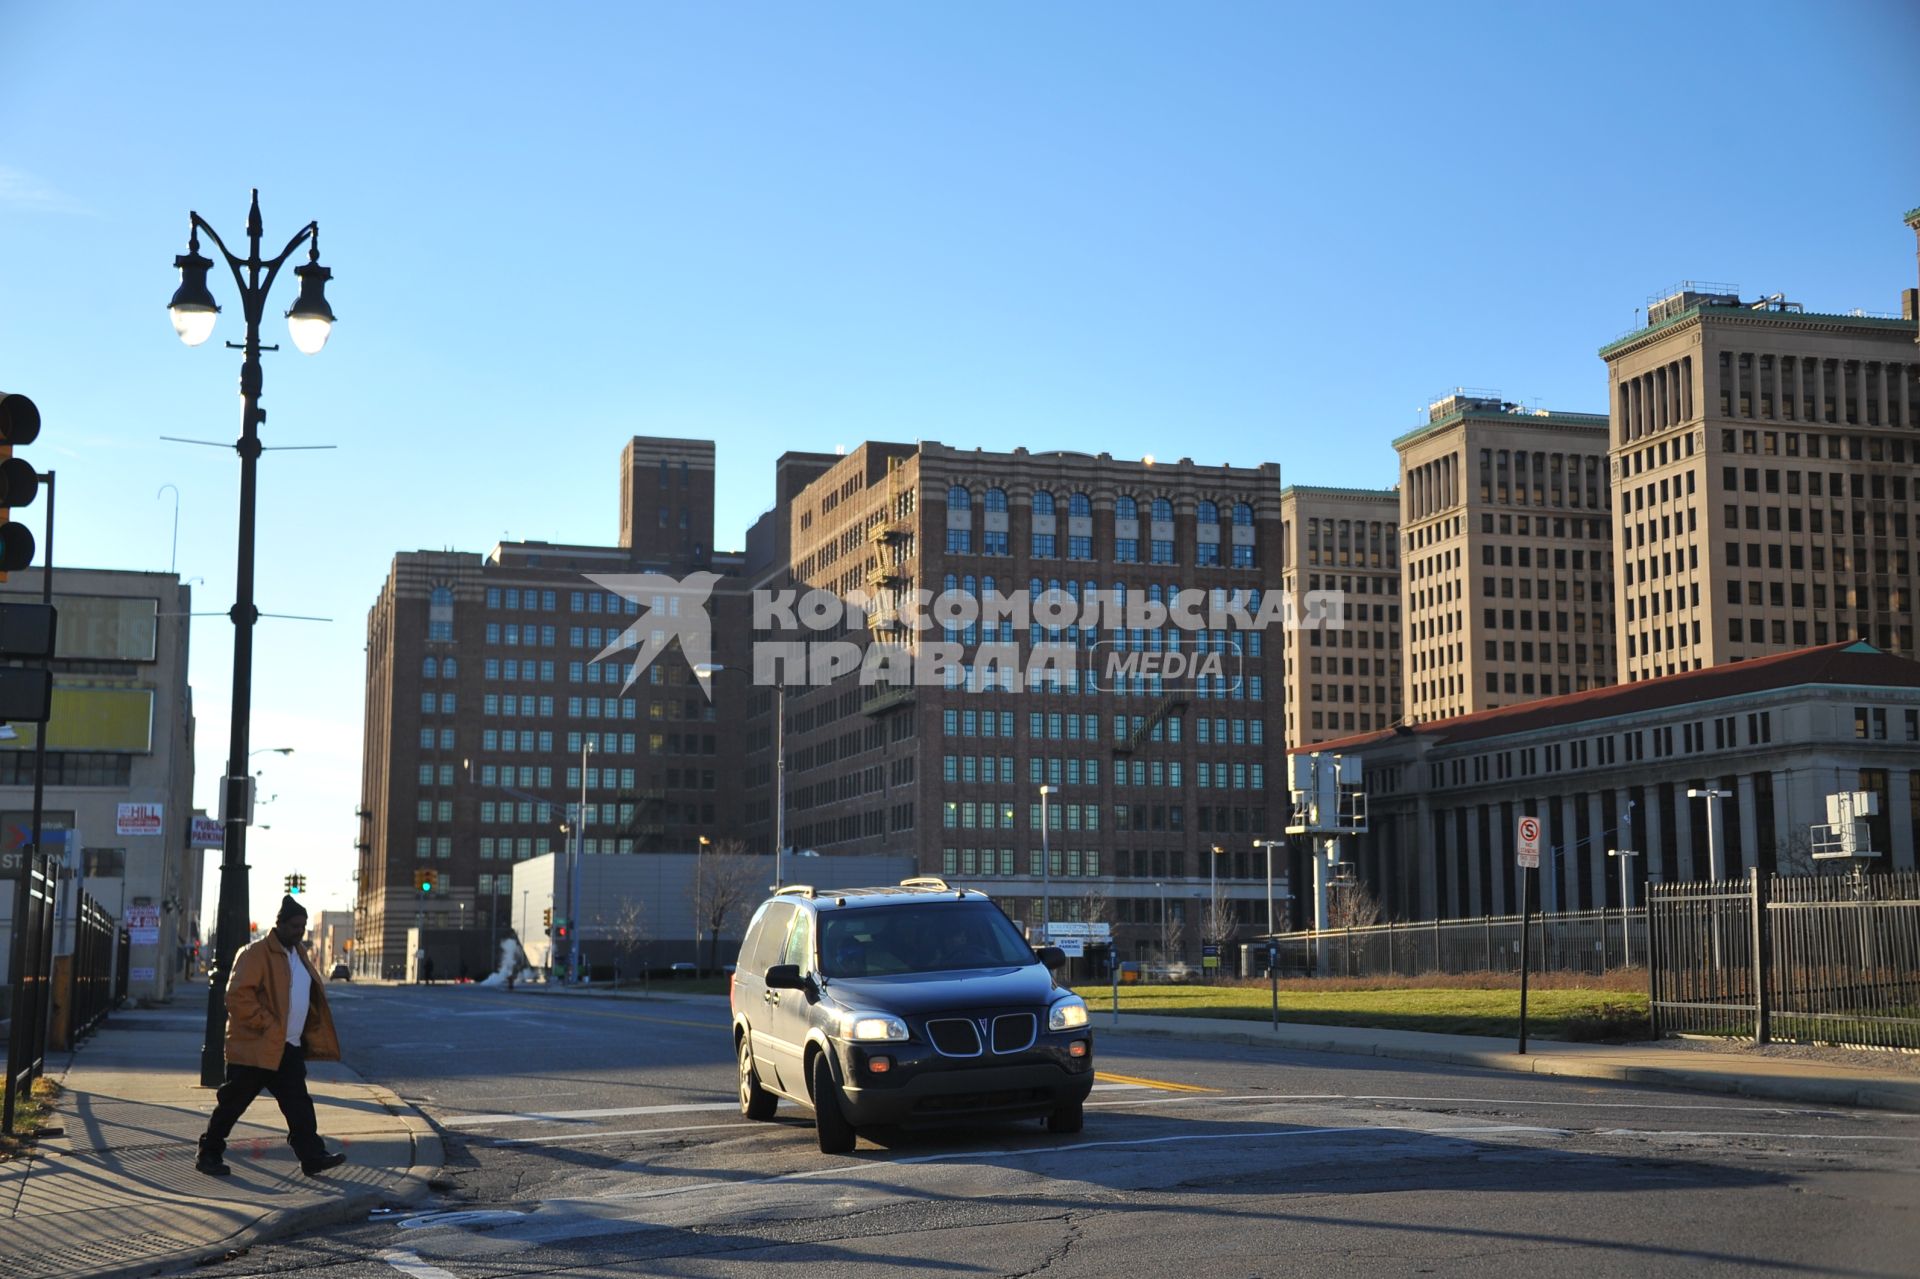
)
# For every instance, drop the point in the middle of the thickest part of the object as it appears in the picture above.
(1626, 904)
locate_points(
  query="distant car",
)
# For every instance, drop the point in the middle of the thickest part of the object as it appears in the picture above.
(340, 973)
(913, 1005)
(685, 969)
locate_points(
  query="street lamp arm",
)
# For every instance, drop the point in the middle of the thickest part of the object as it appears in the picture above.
(253, 296)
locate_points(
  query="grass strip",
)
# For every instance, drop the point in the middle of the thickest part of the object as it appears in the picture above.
(1551, 1014)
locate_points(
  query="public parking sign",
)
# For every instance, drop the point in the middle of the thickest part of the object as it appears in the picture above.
(1529, 843)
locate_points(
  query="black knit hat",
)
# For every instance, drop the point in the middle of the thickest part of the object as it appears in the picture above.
(290, 906)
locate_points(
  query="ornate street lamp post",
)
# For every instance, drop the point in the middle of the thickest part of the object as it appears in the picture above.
(309, 321)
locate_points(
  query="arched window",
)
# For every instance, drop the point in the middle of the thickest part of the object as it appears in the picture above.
(958, 499)
(449, 668)
(1242, 514)
(1126, 508)
(996, 500)
(1077, 504)
(430, 669)
(1042, 502)
(1207, 512)
(1162, 509)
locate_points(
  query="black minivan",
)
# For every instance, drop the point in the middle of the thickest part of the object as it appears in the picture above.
(912, 1006)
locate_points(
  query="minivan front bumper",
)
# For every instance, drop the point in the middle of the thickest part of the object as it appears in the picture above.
(922, 1088)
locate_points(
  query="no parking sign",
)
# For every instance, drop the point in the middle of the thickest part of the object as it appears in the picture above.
(1529, 843)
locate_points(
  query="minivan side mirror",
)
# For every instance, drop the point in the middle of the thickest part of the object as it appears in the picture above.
(785, 977)
(1052, 956)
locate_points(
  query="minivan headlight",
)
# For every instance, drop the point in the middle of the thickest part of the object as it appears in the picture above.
(871, 1027)
(1069, 1014)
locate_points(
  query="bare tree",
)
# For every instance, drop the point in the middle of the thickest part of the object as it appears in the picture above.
(1219, 923)
(1176, 940)
(725, 878)
(1793, 855)
(1351, 904)
(629, 933)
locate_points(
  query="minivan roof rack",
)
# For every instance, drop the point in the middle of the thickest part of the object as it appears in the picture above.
(926, 881)
(795, 890)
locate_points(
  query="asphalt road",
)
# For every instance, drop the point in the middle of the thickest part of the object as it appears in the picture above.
(593, 1137)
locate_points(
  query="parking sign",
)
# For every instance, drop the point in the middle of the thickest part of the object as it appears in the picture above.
(1529, 843)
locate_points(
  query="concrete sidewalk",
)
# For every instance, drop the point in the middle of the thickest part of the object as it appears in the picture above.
(116, 1193)
(1811, 1076)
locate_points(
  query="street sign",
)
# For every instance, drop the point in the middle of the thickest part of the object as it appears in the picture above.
(1071, 947)
(206, 833)
(1210, 956)
(1528, 848)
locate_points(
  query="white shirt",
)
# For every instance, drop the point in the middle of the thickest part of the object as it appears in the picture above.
(301, 990)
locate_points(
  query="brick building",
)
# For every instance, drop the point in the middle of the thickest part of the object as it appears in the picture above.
(1344, 680)
(1143, 783)
(486, 711)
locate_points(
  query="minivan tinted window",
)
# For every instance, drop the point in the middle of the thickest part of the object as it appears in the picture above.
(766, 937)
(876, 941)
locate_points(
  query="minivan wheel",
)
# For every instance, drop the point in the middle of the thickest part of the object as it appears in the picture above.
(829, 1120)
(755, 1101)
(1067, 1117)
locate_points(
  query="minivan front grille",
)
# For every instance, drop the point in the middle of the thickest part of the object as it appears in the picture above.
(974, 1036)
(954, 1037)
(1015, 1032)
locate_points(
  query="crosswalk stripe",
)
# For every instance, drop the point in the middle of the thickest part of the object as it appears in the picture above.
(570, 1116)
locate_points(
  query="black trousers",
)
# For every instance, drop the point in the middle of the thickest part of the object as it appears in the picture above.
(288, 1086)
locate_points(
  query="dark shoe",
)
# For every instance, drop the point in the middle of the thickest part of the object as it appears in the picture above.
(212, 1164)
(322, 1164)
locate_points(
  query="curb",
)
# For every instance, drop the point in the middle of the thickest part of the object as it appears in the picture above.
(1875, 1094)
(428, 1158)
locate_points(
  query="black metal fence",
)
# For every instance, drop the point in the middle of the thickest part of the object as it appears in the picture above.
(1817, 958)
(1586, 941)
(98, 943)
(30, 971)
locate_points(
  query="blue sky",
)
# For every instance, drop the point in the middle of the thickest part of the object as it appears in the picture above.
(1240, 232)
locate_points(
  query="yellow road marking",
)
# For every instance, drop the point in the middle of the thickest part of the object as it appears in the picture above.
(1162, 1084)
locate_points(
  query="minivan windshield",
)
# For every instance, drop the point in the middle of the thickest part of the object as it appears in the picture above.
(930, 937)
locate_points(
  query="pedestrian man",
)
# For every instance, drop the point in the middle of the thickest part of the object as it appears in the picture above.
(277, 1021)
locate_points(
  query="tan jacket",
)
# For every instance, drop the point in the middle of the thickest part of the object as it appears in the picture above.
(258, 993)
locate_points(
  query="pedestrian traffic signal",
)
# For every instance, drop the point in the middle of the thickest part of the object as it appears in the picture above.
(546, 920)
(565, 930)
(426, 881)
(19, 482)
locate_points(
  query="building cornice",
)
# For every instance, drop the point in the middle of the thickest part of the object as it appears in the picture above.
(1545, 421)
(1804, 321)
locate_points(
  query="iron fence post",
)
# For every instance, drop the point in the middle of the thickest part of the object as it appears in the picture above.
(1653, 969)
(1762, 998)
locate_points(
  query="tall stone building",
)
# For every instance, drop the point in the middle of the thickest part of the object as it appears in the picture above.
(487, 711)
(1342, 680)
(1768, 465)
(1507, 592)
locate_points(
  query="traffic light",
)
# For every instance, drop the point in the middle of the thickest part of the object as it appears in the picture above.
(425, 881)
(564, 931)
(546, 921)
(19, 482)
(296, 884)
